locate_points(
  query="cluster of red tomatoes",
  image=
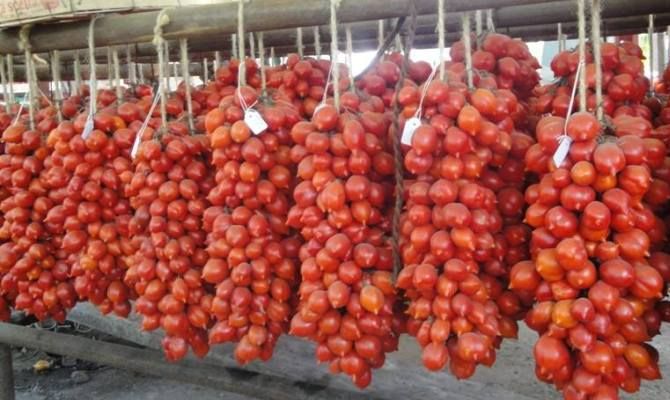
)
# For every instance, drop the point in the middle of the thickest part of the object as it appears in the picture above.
(225, 234)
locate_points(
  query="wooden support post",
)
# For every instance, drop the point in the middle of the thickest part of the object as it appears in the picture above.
(6, 373)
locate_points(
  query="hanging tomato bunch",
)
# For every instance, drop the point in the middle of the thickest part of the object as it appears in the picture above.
(168, 193)
(594, 280)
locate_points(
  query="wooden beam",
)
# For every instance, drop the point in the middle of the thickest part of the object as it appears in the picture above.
(260, 15)
(152, 362)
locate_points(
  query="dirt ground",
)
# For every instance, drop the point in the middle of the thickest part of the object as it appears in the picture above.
(512, 377)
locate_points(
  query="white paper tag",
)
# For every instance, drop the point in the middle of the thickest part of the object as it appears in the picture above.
(88, 128)
(254, 121)
(408, 131)
(562, 151)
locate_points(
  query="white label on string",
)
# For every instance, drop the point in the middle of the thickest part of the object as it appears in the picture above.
(411, 125)
(254, 121)
(562, 150)
(88, 127)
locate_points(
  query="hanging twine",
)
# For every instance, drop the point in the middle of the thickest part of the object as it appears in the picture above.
(261, 60)
(117, 76)
(298, 41)
(317, 42)
(596, 43)
(55, 74)
(334, 5)
(132, 78)
(559, 37)
(490, 26)
(350, 56)
(217, 60)
(233, 44)
(380, 33)
(110, 71)
(650, 33)
(478, 23)
(3, 79)
(183, 50)
(241, 71)
(24, 43)
(140, 73)
(10, 77)
(252, 45)
(581, 23)
(205, 70)
(440, 36)
(399, 174)
(93, 84)
(161, 21)
(77, 73)
(166, 60)
(397, 41)
(465, 22)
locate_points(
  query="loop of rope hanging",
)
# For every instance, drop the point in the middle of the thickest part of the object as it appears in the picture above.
(93, 84)
(596, 43)
(467, 43)
(3, 80)
(10, 77)
(478, 23)
(350, 56)
(205, 70)
(440, 36)
(24, 44)
(233, 45)
(334, 5)
(650, 33)
(159, 42)
(581, 23)
(241, 71)
(298, 42)
(317, 42)
(186, 77)
(380, 33)
(77, 73)
(252, 45)
(261, 60)
(166, 60)
(117, 76)
(132, 78)
(490, 25)
(217, 60)
(55, 74)
(399, 174)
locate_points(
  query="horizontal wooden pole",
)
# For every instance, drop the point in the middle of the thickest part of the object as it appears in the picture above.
(152, 362)
(209, 21)
(365, 39)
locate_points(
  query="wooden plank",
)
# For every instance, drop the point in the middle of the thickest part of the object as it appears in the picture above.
(402, 377)
(151, 362)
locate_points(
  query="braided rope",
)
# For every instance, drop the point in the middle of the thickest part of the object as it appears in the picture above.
(317, 42)
(399, 174)
(581, 23)
(261, 60)
(55, 73)
(596, 43)
(161, 21)
(440, 36)
(241, 71)
(334, 5)
(3, 79)
(10, 78)
(467, 42)
(24, 43)
(183, 50)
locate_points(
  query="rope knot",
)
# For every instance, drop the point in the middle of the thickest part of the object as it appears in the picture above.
(162, 20)
(24, 38)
